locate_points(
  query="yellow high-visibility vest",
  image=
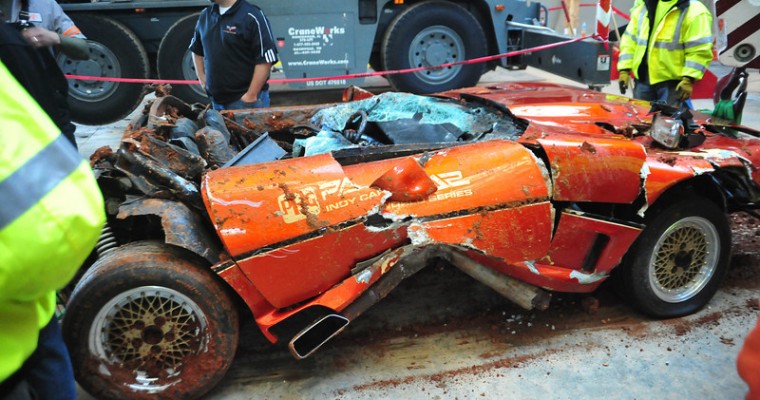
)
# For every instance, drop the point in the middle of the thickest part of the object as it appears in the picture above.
(51, 214)
(681, 42)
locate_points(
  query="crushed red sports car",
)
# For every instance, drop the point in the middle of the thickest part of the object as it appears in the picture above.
(304, 217)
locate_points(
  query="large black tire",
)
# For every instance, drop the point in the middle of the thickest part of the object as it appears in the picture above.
(433, 33)
(150, 321)
(115, 52)
(677, 263)
(175, 60)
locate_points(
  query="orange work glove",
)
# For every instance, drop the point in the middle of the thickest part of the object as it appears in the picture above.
(624, 80)
(748, 363)
(685, 87)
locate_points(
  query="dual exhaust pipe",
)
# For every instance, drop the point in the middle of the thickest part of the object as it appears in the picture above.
(321, 330)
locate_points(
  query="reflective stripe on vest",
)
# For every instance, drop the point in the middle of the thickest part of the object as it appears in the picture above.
(26, 186)
(676, 44)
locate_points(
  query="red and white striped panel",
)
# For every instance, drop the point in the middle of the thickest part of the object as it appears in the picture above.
(738, 32)
(603, 17)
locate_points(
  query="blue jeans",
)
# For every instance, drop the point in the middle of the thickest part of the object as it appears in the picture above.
(47, 374)
(663, 91)
(262, 101)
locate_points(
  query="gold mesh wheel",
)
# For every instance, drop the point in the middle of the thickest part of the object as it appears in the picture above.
(684, 259)
(150, 330)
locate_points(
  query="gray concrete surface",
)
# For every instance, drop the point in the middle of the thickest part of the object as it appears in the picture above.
(422, 342)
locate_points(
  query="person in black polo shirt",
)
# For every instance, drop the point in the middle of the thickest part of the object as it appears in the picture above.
(233, 51)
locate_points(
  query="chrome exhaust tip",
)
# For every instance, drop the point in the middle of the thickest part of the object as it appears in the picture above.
(311, 338)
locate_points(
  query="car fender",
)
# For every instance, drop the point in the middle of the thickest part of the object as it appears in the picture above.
(181, 226)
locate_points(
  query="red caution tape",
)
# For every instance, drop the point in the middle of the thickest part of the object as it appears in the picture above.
(350, 76)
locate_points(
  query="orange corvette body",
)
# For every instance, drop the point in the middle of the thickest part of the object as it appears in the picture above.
(554, 206)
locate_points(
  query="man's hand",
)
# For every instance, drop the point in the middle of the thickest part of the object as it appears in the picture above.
(248, 98)
(624, 80)
(40, 37)
(685, 87)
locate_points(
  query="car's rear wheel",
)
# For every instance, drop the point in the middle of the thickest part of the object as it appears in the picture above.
(676, 265)
(149, 320)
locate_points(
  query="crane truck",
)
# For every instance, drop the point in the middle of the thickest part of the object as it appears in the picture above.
(148, 39)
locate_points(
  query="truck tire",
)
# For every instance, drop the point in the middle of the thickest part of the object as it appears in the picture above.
(433, 33)
(115, 52)
(150, 321)
(175, 60)
(676, 264)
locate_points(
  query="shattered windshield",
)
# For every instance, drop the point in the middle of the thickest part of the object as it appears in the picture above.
(403, 118)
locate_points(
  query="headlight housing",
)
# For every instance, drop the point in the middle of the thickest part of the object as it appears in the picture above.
(667, 131)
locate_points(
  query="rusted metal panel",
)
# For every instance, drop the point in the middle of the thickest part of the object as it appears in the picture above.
(166, 110)
(599, 169)
(262, 120)
(179, 160)
(182, 226)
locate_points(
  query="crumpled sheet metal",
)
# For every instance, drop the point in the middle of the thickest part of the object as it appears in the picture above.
(295, 272)
(179, 160)
(182, 226)
(278, 228)
(150, 176)
(511, 234)
(272, 119)
(165, 111)
(337, 298)
(668, 167)
(599, 169)
(241, 200)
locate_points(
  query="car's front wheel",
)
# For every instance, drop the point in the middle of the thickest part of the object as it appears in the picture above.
(676, 265)
(150, 320)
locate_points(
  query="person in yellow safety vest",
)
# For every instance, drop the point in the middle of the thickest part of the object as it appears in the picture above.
(667, 46)
(51, 216)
